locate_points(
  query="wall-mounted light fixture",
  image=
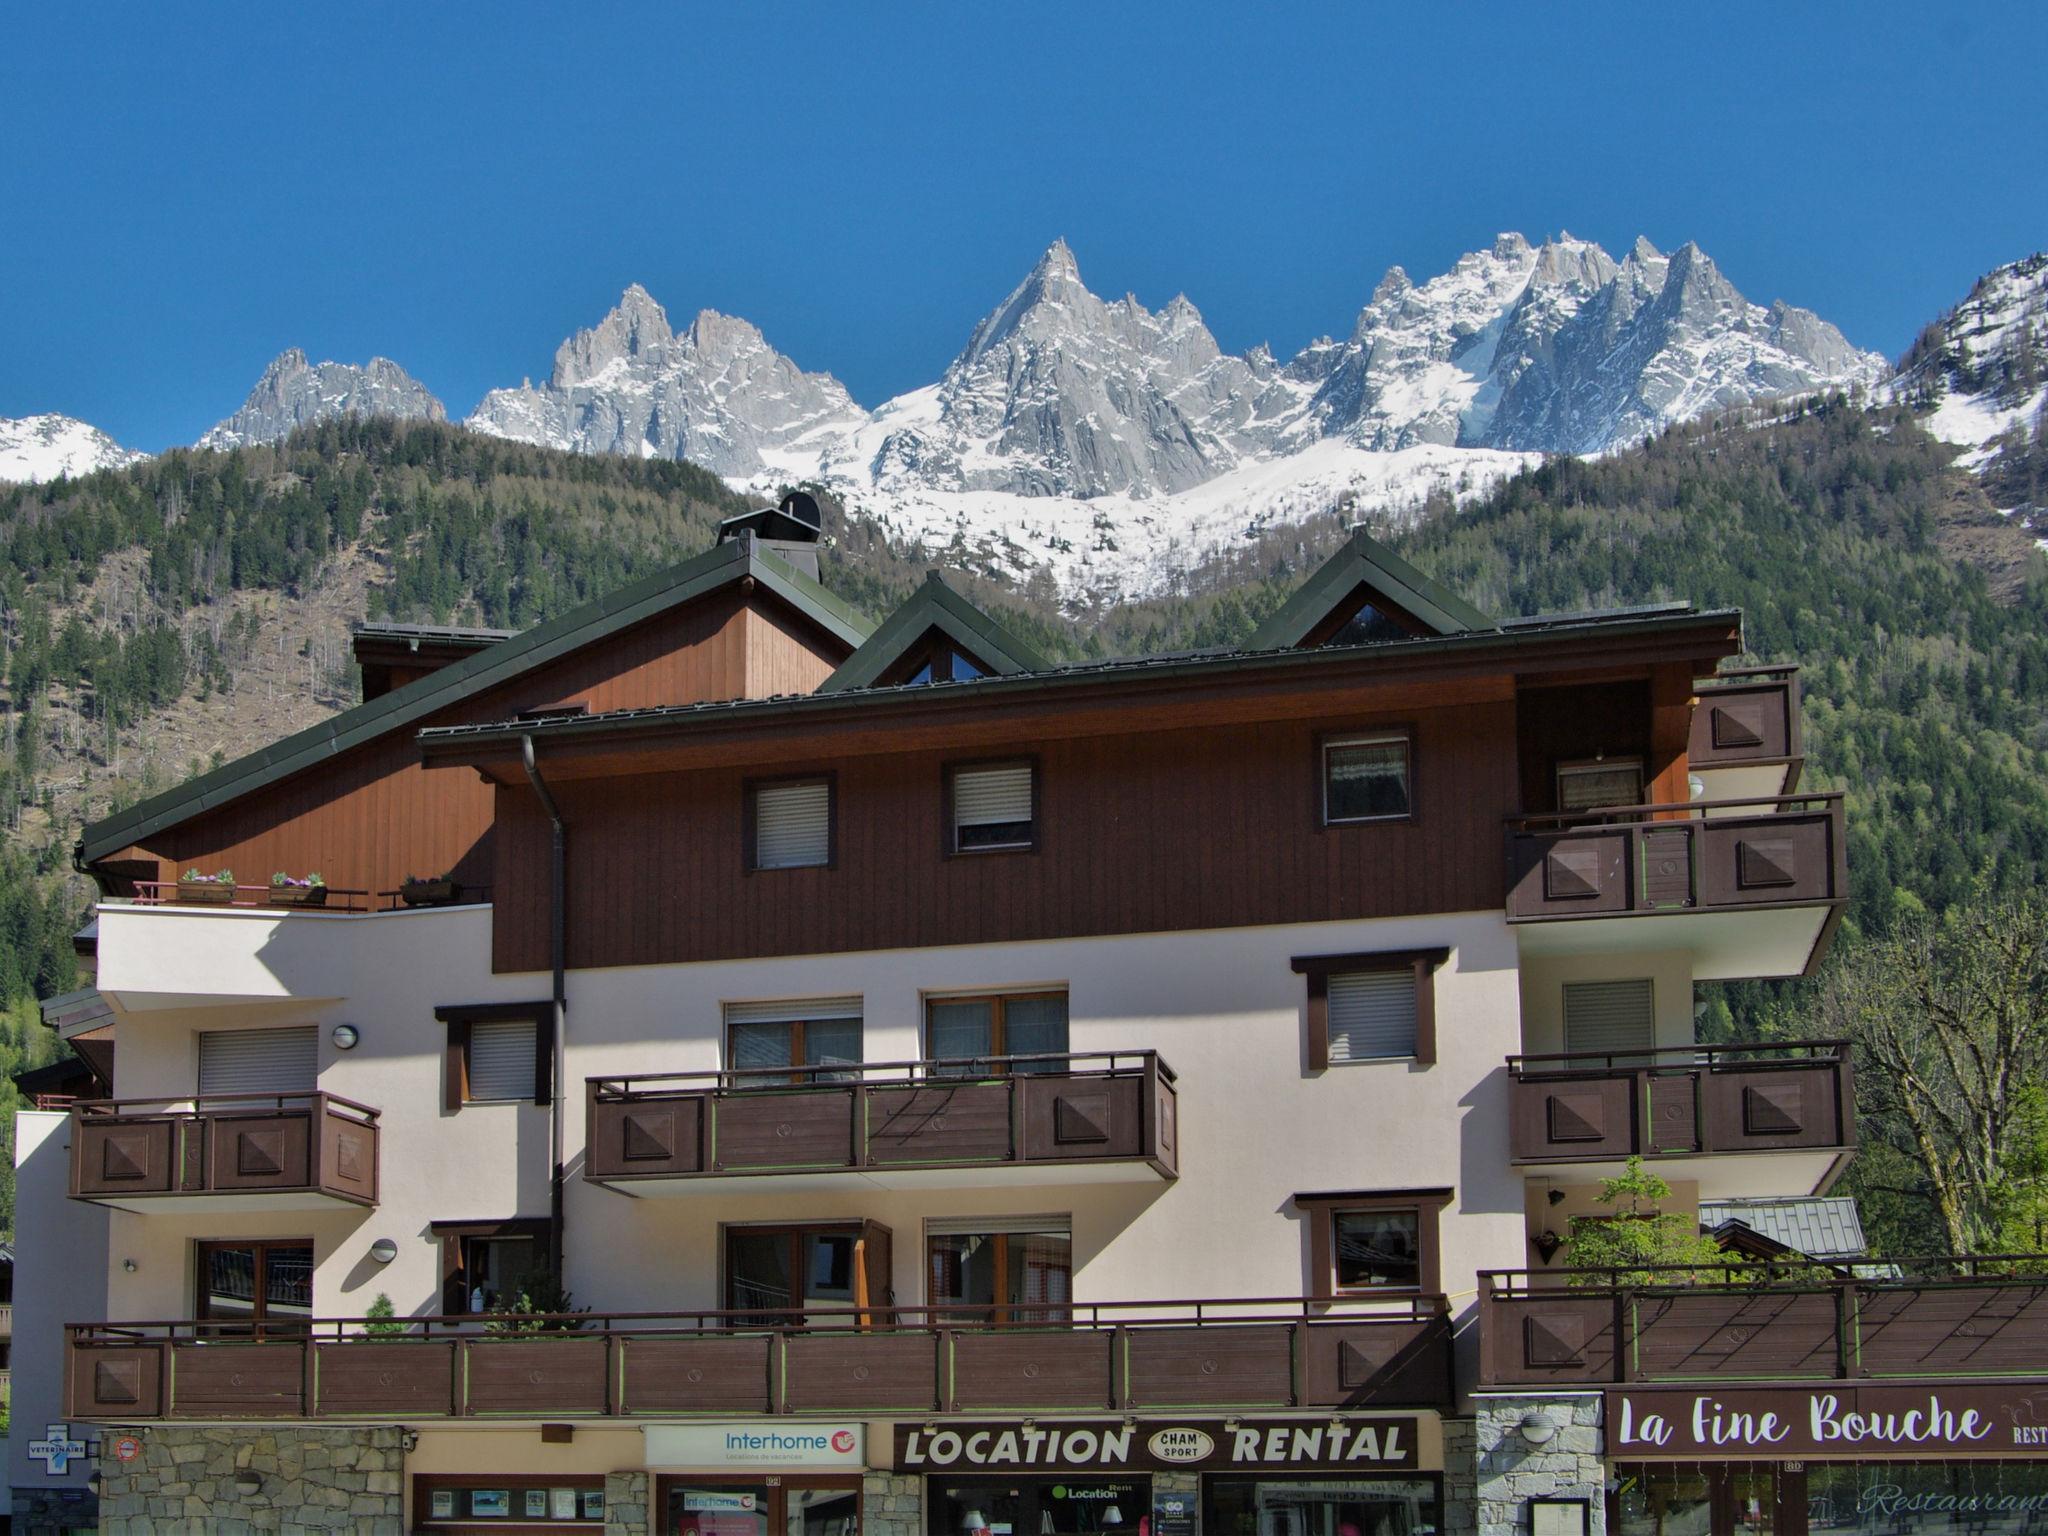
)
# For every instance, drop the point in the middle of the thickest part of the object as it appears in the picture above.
(1537, 1427)
(345, 1036)
(1555, 1197)
(129, 1266)
(384, 1250)
(1547, 1243)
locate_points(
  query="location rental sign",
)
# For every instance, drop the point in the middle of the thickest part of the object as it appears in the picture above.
(1342, 1442)
(1828, 1419)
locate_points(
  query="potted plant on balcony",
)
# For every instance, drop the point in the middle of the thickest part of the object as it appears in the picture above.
(214, 890)
(287, 892)
(429, 891)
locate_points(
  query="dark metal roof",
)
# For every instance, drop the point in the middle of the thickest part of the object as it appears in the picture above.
(1183, 664)
(485, 668)
(430, 634)
(1364, 561)
(935, 606)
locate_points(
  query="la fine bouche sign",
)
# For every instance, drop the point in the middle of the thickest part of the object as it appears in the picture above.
(1211, 1445)
(1833, 1418)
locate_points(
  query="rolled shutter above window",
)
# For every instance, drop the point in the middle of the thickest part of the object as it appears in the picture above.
(502, 1059)
(1610, 1017)
(1372, 1015)
(792, 824)
(993, 807)
(259, 1060)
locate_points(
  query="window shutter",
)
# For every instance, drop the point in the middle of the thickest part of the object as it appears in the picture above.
(502, 1057)
(993, 797)
(793, 825)
(259, 1060)
(1610, 1017)
(804, 1009)
(1372, 1015)
(1583, 786)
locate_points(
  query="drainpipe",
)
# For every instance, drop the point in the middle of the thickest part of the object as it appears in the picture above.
(558, 926)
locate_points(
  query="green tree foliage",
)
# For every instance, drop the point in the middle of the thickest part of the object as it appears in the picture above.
(1638, 1240)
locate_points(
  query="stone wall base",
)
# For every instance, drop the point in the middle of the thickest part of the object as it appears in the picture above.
(1511, 1469)
(246, 1481)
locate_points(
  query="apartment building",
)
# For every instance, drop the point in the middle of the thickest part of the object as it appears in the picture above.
(963, 1094)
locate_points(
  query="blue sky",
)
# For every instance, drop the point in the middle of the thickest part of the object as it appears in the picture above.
(186, 191)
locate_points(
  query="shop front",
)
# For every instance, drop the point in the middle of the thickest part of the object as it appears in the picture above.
(1337, 1475)
(757, 1478)
(1839, 1459)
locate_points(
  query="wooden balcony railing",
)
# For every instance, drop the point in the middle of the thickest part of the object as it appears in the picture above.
(1625, 861)
(1121, 1356)
(1586, 1107)
(231, 1144)
(1958, 1317)
(993, 1111)
(1747, 717)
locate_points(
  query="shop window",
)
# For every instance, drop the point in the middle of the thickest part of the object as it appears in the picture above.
(528, 1504)
(781, 1506)
(1322, 1506)
(1369, 1242)
(968, 1030)
(1004, 1271)
(1037, 1506)
(1366, 778)
(822, 1033)
(255, 1288)
(1376, 1006)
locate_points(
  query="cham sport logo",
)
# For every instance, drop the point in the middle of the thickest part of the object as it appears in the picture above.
(1181, 1445)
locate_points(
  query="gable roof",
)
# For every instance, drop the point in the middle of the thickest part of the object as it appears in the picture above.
(935, 605)
(489, 667)
(1364, 561)
(1820, 1226)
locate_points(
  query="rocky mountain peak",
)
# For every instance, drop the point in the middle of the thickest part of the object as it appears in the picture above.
(47, 447)
(636, 325)
(292, 392)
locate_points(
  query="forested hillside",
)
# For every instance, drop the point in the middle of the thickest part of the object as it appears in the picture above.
(140, 601)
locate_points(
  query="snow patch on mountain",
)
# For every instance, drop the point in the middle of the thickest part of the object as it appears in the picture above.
(1982, 369)
(38, 448)
(293, 393)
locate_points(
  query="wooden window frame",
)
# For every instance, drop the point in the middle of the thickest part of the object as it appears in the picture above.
(1001, 1311)
(1318, 969)
(451, 1235)
(998, 1019)
(750, 787)
(1363, 735)
(424, 1484)
(942, 655)
(455, 1053)
(1322, 1210)
(799, 1070)
(949, 834)
(796, 1231)
(257, 1325)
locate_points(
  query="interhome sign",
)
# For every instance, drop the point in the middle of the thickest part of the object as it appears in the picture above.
(1210, 1445)
(1828, 1419)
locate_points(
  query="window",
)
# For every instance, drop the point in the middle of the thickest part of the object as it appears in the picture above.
(1611, 1018)
(497, 1053)
(1611, 781)
(968, 1031)
(807, 1271)
(992, 807)
(1018, 1270)
(457, 1503)
(789, 824)
(788, 1505)
(1377, 1006)
(1061, 1504)
(944, 664)
(259, 1060)
(1373, 1240)
(1322, 1504)
(487, 1265)
(255, 1287)
(820, 1032)
(1365, 778)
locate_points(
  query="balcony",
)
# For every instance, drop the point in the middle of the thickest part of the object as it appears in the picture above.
(1086, 1118)
(1746, 736)
(1960, 1317)
(1716, 1106)
(1753, 888)
(239, 1152)
(1124, 1356)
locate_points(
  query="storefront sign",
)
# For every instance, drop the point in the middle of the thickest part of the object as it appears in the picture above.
(1834, 1419)
(757, 1443)
(1208, 1445)
(1173, 1514)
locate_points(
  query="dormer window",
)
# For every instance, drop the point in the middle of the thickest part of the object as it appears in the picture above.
(1370, 624)
(944, 664)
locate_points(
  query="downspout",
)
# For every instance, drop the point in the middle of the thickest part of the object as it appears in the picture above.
(558, 935)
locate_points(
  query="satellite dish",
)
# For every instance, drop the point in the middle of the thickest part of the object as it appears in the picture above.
(803, 506)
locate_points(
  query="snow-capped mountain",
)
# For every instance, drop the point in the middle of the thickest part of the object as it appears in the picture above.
(716, 394)
(293, 392)
(36, 448)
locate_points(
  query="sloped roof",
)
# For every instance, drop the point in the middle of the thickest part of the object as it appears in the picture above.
(936, 606)
(1819, 1226)
(1364, 561)
(489, 667)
